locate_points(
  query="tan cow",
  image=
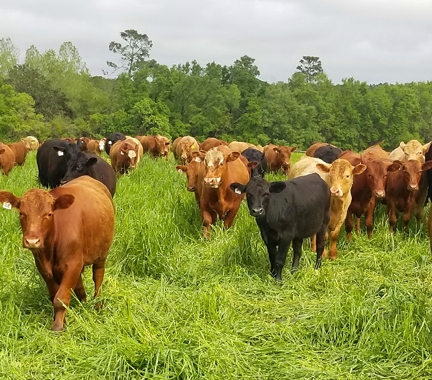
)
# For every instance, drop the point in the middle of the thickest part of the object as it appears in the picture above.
(31, 142)
(240, 146)
(412, 150)
(183, 148)
(339, 177)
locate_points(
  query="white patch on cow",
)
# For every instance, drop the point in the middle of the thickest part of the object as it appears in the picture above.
(197, 159)
(102, 145)
(7, 206)
(122, 153)
(237, 191)
(60, 153)
(131, 154)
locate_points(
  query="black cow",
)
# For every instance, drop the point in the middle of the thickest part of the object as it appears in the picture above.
(93, 166)
(252, 155)
(328, 153)
(288, 212)
(51, 159)
(112, 139)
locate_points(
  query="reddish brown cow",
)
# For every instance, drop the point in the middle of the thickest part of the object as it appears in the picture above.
(367, 187)
(20, 151)
(66, 229)
(402, 189)
(7, 158)
(312, 149)
(211, 142)
(278, 157)
(220, 169)
(184, 147)
(191, 170)
(155, 146)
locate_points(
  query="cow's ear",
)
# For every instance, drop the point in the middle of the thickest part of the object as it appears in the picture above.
(9, 200)
(359, 169)
(323, 168)
(2, 150)
(91, 161)
(276, 149)
(238, 188)
(402, 145)
(426, 147)
(252, 164)
(59, 150)
(293, 149)
(277, 187)
(427, 165)
(233, 156)
(396, 165)
(63, 201)
(181, 168)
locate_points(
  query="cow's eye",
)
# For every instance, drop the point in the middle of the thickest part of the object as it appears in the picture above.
(50, 214)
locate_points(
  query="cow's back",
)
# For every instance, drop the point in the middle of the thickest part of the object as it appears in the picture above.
(89, 222)
(306, 196)
(7, 159)
(20, 151)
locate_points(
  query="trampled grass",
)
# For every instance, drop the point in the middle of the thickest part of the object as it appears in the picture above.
(179, 306)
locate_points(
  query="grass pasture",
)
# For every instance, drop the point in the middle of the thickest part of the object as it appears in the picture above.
(178, 306)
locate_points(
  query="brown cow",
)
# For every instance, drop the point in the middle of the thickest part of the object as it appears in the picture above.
(20, 151)
(155, 146)
(66, 229)
(403, 190)
(184, 147)
(367, 187)
(7, 158)
(278, 157)
(124, 155)
(339, 176)
(211, 142)
(191, 170)
(96, 146)
(220, 169)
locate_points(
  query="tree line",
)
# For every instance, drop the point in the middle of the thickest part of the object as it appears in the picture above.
(53, 94)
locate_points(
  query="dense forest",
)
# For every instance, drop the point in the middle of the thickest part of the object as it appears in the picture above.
(53, 94)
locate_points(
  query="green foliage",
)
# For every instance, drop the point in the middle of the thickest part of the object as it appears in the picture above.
(311, 67)
(9, 55)
(133, 53)
(17, 114)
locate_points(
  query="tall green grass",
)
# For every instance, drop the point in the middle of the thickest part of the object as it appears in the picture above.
(178, 306)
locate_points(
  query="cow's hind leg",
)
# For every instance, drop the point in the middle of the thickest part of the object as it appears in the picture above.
(297, 248)
(321, 240)
(80, 291)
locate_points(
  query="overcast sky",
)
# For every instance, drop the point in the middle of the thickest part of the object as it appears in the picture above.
(371, 40)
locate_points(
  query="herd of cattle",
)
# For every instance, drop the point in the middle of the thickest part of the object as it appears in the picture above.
(326, 188)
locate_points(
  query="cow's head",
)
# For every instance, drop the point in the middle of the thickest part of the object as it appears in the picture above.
(412, 171)
(258, 192)
(192, 169)
(36, 209)
(78, 167)
(284, 156)
(215, 165)
(341, 174)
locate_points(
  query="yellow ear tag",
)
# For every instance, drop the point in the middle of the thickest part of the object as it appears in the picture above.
(193, 146)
